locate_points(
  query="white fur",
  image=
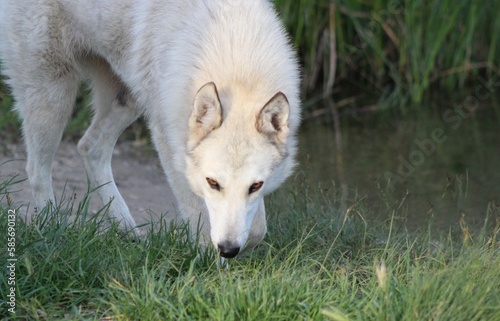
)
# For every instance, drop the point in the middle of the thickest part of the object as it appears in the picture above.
(217, 81)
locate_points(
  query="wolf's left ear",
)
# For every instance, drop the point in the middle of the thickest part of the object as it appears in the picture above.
(206, 115)
(273, 118)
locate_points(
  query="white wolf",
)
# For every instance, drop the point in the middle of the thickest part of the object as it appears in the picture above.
(217, 81)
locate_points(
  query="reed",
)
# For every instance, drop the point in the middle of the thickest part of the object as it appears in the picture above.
(399, 50)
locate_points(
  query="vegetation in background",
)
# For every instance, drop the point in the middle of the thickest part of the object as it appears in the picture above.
(315, 264)
(388, 53)
(398, 50)
(9, 123)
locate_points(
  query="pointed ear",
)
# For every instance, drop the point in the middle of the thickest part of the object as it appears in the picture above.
(273, 118)
(206, 115)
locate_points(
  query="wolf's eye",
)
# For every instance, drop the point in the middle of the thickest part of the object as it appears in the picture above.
(213, 184)
(255, 187)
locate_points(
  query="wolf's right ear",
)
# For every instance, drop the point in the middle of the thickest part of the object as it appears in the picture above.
(272, 120)
(206, 115)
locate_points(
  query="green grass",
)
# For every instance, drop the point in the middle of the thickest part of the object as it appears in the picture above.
(315, 264)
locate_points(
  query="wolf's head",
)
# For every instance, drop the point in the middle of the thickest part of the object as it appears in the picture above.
(234, 160)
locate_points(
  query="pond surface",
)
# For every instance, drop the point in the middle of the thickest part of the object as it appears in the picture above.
(424, 169)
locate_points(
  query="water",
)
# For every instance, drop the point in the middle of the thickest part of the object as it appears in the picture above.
(423, 170)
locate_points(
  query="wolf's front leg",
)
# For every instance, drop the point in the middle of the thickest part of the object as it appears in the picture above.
(115, 109)
(191, 209)
(45, 113)
(258, 229)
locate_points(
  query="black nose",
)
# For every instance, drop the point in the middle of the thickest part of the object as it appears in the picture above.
(228, 251)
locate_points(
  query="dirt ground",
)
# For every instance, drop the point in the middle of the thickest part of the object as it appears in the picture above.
(137, 173)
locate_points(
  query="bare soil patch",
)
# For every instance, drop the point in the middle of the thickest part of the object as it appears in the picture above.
(137, 173)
